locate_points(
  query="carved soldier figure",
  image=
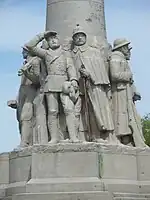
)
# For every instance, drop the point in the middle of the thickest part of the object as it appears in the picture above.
(94, 77)
(26, 95)
(69, 90)
(34, 71)
(59, 68)
(127, 123)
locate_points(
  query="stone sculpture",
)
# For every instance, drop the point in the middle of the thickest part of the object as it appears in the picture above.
(92, 72)
(34, 71)
(77, 114)
(75, 103)
(24, 102)
(80, 90)
(126, 120)
(59, 68)
(95, 88)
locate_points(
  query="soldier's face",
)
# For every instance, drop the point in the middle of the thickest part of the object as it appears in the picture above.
(24, 54)
(126, 50)
(79, 39)
(53, 42)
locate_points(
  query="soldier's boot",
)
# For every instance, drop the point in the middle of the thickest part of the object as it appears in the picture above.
(53, 128)
(26, 133)
(71, 125)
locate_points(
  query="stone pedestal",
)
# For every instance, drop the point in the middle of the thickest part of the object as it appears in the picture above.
(87, 171)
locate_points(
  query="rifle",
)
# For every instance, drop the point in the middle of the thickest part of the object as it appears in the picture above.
(26, 67)
(87, 114)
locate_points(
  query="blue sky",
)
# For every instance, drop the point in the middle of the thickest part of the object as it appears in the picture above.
(21, 20)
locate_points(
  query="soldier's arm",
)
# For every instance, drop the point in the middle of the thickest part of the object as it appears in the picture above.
(32, 46)
(12, 104)
(71, 70)
(32, 76)
(115, 73)
(33, 72)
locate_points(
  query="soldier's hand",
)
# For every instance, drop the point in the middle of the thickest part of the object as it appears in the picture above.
(75, 85)
(85, 73)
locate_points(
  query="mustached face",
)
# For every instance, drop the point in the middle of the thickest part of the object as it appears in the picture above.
(53, 42)
(126, 51)
(79, 39)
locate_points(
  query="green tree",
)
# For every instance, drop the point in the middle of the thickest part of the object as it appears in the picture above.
(146, 128)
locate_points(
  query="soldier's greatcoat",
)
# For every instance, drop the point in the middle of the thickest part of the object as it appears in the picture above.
(36, 74)
(91, 59)
(27, 93)
(126, 118)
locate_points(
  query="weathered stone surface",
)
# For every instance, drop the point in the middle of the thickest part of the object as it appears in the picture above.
(4, 168)
(81, 92)
(74, 164)
(64, 195)
(127, 121)
(78, 147)
(131, 196)
(64, 184)
(20, 169)
(74, 168)
(15, 188)
(90, 14)
(75, 87)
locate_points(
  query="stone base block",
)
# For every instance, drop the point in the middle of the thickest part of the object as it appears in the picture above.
(117, 185)
(130, 196)
(75, 171)
(15, 188)
(64, 196)
(64, 184)
(3, 191)
(6, 198)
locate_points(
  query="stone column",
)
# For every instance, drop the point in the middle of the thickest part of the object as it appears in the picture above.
(63, 15)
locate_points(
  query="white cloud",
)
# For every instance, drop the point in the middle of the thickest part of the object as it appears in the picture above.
(18, 24)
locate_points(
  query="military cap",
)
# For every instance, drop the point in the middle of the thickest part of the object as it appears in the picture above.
(120, 43)
(78, 29)
(50, 33)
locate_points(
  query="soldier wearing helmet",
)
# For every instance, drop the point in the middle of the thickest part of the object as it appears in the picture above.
(126, 119)
(93, 83)
(123, 46)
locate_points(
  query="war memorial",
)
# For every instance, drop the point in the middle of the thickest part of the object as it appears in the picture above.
(80, 133)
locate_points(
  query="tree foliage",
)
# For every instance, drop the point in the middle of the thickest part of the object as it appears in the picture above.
(146, 128)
